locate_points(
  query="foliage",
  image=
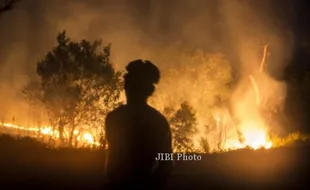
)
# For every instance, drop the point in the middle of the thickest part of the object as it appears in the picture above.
(78, 84)
(183, 126)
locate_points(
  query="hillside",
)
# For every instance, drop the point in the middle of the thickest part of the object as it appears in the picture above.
(27, 163)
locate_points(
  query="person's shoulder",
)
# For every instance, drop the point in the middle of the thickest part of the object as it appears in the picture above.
(117, 111)
(159, 116)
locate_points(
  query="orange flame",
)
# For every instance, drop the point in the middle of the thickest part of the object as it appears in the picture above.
(83, 138)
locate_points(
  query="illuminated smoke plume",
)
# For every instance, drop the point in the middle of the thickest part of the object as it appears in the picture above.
(149, 30)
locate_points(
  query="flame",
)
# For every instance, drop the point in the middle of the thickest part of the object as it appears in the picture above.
(85, 137)
(252, 130)
(254, 137)
(252, 134)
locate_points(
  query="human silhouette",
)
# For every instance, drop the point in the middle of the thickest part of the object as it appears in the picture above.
(136, 133)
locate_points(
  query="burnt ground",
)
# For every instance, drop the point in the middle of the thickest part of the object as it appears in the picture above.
(26, 164)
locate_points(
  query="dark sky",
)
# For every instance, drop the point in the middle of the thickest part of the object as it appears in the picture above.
(303, 12)
(291, 12)
(288, 13)
(301, 29)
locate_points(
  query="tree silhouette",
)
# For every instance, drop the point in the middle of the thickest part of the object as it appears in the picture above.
(78, 83)
(183, 125)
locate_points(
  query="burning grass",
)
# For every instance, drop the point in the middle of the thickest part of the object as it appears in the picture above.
(43, 137)
(50, 136)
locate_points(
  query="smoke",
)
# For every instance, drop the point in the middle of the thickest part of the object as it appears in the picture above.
(146, 29)
(258, 93)
(250, 28)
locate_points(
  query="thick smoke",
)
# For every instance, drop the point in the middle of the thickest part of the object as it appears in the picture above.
(138, 29)
(259, 93)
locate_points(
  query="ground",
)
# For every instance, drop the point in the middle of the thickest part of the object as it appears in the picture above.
(26, 164)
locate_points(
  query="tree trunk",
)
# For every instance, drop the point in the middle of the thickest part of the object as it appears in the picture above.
(76, 144)
(205, 145)
(71, 133)
(61, 132)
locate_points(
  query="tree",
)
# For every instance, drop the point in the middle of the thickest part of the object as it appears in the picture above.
(79, 84)
(183, 125)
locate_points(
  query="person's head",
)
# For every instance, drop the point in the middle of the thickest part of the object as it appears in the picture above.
(140, 80)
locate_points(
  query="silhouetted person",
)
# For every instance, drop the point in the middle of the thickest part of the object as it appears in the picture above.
(136, 133)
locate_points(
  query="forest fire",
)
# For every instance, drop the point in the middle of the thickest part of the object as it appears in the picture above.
(252, 104)
(253, 139)
(250, 133)
(202, 102)
(247, 125)
(84, 138)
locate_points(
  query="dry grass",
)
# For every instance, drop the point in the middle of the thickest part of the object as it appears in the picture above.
(27, 162)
